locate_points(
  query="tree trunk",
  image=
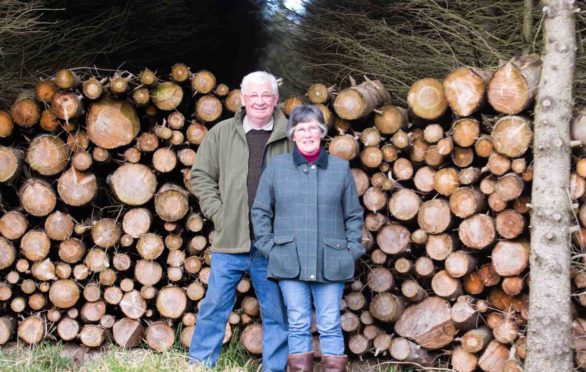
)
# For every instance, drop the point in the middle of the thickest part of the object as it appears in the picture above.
(549, 336)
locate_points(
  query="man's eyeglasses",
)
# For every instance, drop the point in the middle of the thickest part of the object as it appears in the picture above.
(263, 97)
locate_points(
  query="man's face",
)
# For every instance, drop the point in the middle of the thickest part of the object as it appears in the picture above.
(259, 102)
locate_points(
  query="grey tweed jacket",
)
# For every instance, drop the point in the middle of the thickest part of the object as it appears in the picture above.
(307, 219)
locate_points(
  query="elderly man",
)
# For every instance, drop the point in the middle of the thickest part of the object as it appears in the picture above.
(224, 178)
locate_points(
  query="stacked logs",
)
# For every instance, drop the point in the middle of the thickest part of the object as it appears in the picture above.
(100, 238)
(446, 189)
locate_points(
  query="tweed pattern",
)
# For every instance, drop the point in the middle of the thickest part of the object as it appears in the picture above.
(308, 220)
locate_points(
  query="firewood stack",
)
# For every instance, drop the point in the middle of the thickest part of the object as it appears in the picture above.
(102, 241)
(99, 237)
(446, 189)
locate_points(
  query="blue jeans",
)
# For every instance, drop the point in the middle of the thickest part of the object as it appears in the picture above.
(326, 298)
(226, 272)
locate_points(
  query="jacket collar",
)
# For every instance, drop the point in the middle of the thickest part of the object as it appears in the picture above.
(279, 128)
(321, 161)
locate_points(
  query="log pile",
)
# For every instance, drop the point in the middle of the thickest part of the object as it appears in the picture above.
(100, 239)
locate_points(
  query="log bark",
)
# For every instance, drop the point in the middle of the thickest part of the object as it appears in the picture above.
(360, 100)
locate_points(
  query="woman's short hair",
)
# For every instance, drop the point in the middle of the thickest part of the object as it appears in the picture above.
(259, 77)
(303, 114)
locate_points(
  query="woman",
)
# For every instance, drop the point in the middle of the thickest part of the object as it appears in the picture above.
(308, 221)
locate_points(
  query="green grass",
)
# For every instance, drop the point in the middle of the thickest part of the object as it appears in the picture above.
(58, 357)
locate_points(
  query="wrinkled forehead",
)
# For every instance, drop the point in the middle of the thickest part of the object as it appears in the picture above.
(259, 88)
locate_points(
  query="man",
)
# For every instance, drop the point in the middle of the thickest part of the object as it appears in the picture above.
(224, 178)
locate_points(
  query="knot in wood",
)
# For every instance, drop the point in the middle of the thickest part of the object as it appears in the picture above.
(549, 12)
(547, 102)
(558, 142)
(556, 217)
(549, 236)
(561, 48)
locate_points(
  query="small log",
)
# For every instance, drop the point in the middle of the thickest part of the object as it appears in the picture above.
(318, 93)
(434, 216)
(426, 99)
(510, 258)
(171, 302)
(514, 84)
(133, 184)
(59, 226)
(112, 123)
(136, 222)
(360, 100)
(203, 82)
(465, 132)
(37, 197)
(386, 307)
(494, 357)
(424, 267)
(445, 285)
(371, 157)
(106, 232)
(113, 295)
(438, 247)
(460, 263)
(389, 119)
(463, 361)
(509, 186)
(375, 221)
(77, 188)
(404, 350)
(403, 266)
(167, 96)
(381, 344)
(35, 245)
(477, 231)
(7, 253)
(465, 89)
(133, 305)
(47, 154)
(404, 204)
(7, 327)
(423, 179)
(208, 108)
(466, 201)
(469, 175)
(476, 339)
(71, 250)
(349, 322)
(251, 338)
(462, 156)
(171, 204)
(25, 111)
(344, 146)
(509, 224)
(68, 329)
(393, 239)
(361, 180)
(32, 330)
(355, 300)
(150, 246)
(359, 344)
(380, 279)
(13, 225)
(464, 314)
(511, 136)
(66, 105)
(433, 133)
(148, 272)
(412, 291)
(428, 323)
(446, 181)
(232, 101)
(403, 169)
(92, 312)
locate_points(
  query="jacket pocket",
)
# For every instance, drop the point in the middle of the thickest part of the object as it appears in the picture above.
(338, 260)
(283, 259)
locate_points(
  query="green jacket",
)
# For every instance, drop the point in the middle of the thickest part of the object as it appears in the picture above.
(219, 174)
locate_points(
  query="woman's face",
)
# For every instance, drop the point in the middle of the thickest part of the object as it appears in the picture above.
(307, 136)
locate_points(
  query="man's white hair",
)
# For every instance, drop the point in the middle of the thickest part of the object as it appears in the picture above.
(259, 77)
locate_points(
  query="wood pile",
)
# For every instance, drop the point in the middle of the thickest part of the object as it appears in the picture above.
(102, 241)
(100, 238)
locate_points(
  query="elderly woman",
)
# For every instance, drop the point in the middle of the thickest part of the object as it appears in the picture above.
(308, 221)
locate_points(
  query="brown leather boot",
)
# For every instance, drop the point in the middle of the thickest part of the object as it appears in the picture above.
(334, 363)
(302, 362)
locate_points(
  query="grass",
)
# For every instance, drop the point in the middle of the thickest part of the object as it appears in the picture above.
(61, 357)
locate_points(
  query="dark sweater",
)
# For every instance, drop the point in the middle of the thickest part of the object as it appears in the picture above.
(257, 140)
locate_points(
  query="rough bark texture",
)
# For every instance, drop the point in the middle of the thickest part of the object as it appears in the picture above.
(549, 341)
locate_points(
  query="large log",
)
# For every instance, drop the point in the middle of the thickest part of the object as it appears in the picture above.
(428, 323)
(360, 100)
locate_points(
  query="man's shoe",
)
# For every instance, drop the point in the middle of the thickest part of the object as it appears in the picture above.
(302, 362)
(333, 363)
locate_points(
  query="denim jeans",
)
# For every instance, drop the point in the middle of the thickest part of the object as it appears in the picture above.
(226, 272)
(326, 298)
